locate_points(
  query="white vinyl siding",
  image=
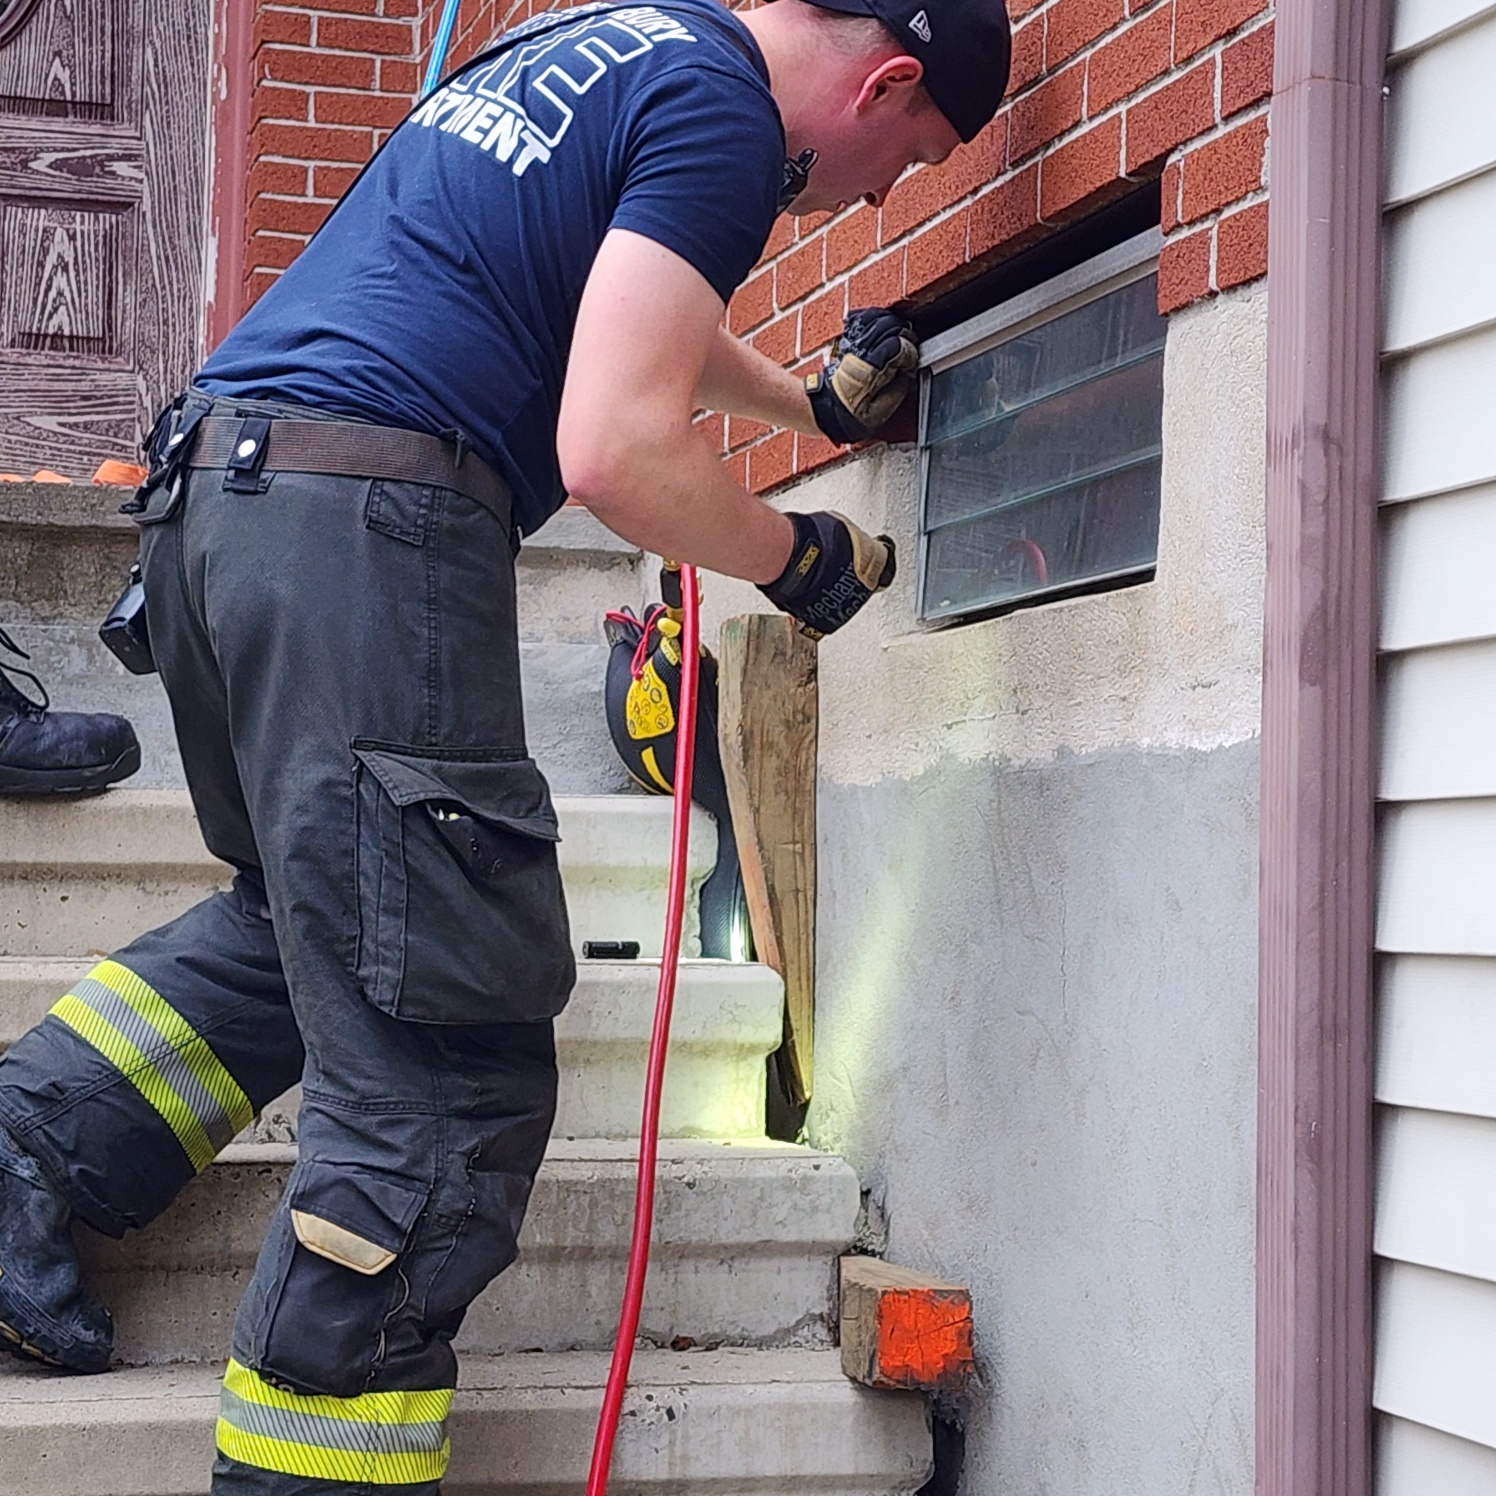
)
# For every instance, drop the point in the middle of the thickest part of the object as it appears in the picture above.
(1436, 901)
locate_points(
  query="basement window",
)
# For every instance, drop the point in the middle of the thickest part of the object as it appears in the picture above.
(1041, 439)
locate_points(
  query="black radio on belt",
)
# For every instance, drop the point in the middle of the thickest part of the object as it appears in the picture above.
(124, 631)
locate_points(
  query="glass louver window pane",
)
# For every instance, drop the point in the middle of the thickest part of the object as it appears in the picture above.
(1043, 458)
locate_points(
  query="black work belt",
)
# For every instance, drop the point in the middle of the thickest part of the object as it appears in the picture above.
(346, 449)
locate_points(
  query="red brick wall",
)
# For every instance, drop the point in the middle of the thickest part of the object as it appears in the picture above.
(1104, 94)
(330, 78)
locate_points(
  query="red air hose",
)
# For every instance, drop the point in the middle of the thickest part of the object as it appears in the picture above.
(649, 1128)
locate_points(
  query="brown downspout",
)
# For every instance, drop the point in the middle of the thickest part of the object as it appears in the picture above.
(1314, 1161)
(228, 181)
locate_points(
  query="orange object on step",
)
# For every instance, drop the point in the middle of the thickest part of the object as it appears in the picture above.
(904, 1329)
(119, 474)
(11, 478)
(46, 475)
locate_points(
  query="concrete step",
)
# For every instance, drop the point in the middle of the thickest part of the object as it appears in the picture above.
(562, 684)
(726, 1422)
(728, 1020)
(64, 552)
(746, 1237)
(79, 876)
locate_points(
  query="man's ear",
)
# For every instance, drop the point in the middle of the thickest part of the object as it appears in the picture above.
(894, 77)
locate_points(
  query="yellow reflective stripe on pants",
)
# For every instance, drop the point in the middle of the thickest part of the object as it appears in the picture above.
(161, 1055)
(379, 1438)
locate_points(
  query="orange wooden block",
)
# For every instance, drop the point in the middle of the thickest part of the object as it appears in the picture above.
(904, 1329)
(46, 475)
(119, 474)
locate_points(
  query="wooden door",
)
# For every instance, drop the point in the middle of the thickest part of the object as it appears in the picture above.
(103, 167)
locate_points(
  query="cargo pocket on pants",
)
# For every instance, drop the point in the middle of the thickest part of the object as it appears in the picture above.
(338, 1279)
(462, 918)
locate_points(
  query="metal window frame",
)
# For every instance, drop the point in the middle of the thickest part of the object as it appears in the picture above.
(1132, 260)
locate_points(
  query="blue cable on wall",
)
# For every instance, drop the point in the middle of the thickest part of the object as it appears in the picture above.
(439, 46)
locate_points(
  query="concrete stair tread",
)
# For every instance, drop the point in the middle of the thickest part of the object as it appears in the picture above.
(571, 532)
(563, 1151)
(84, 875)
(612, 1000)
(157, 828)
(746, 1235)
(728, 1020)
(732, 1422)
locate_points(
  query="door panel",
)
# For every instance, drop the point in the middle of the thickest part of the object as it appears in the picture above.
(103, 152)
(62, 261)
(61, 61)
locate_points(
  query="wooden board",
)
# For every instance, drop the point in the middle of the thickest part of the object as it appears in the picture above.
(903, 1329)
(768, 708)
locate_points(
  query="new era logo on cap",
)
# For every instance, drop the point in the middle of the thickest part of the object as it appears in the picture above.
(966, 66)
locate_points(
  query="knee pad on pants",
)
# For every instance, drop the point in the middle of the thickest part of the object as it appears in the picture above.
(331, 1276)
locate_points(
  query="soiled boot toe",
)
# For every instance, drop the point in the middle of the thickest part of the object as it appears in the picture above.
(43, 752)
(45, 1313)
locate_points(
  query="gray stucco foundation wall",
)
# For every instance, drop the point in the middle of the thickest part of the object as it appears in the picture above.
(1036, 957)
(1036, 1043)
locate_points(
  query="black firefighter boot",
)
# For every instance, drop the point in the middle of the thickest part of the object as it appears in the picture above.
(43, 752)
(45, 1313)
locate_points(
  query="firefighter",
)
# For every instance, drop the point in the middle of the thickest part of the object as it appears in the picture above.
(520, 298)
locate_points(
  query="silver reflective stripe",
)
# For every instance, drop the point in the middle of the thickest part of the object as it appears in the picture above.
(353, 1436)
(168, 1060)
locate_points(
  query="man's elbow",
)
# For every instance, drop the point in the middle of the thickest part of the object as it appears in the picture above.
(612, 477)
(601, 479)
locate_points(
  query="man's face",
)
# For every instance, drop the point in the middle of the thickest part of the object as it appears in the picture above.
(864, 150)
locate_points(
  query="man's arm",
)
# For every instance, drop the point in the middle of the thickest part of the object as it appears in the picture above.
(629, 452)
(647, 326)
(742, 381)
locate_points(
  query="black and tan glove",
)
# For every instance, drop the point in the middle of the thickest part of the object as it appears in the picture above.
(834, 569)
(872, 370)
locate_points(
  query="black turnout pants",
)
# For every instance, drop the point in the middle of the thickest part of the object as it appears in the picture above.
(342, 663)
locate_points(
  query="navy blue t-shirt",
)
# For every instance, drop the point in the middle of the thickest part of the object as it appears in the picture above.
(442, 293)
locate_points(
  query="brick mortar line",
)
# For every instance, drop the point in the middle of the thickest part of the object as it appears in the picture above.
(307, 49)
(331, 88)
(302, 161)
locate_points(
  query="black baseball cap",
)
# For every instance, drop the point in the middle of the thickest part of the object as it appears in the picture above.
(963, 44)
